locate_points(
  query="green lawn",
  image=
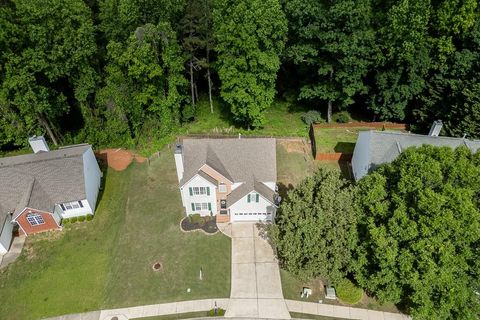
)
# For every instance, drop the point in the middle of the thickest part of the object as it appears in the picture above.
(296, 315)
(330, 140)
(107, 262)
(282, 119)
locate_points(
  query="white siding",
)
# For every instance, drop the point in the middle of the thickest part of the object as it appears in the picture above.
(6, 235)
(74, 212)
(92, 176)
(243, 206)
(198, 181)
(361, 155)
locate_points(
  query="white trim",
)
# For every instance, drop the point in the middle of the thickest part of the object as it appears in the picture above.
(251, 201)
(193, 177)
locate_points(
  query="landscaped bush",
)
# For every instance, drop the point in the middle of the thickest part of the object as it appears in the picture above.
(81, 218)
(220, 312)
(73, 219)
(341, 117)
(89, 217)
(196, 218)
(312, 116)
(348, 292)
(65, 221)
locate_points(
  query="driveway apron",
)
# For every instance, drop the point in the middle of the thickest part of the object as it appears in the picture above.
(256, 290)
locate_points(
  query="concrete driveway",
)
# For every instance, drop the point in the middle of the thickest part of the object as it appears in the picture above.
(256, 290)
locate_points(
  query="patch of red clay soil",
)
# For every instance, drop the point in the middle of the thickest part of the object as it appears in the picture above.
(119, 159)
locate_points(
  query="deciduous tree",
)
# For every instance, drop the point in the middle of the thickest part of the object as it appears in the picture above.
(250, 36)
(420, 235)
(315, 229)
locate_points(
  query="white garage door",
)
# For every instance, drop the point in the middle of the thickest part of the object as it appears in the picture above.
(251, 216)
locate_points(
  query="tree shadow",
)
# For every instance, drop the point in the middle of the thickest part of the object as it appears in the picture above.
(283, 189)
(344, 147)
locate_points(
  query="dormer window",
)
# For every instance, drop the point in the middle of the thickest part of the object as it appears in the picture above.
(222, 188)
(253, 197)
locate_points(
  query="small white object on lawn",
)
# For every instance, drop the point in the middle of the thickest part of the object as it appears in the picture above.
(188, 290)
(330, 293)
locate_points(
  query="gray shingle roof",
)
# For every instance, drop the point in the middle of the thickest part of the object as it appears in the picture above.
(53, 177)
(237, 159)
(250, 161)
(385, 146)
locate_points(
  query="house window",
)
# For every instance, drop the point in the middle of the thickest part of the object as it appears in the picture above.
(35, 219)
(253, 197)
(199, 191)
(71, 205)
(222, 188)
(201, 206)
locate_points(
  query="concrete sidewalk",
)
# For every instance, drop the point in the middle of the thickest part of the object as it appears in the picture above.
(149, 310)
(329, 310)
(13, 253)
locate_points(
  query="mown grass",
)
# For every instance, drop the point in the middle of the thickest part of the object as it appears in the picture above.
(342, 140)
(296, 315)
(107, 262)
(348, 292)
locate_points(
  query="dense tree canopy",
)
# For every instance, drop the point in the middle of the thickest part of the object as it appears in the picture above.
(332, 43)
(315, 229)
(144, 82)
(250, 36)
(419, 240)
(47, 53)
(414, 61)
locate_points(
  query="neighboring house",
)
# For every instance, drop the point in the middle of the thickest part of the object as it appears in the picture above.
(233, 179)
(374, 148)
(38, 190)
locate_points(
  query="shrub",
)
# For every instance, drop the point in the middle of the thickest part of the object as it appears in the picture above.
(73, 219)
(65, 221)
(341, 117)
(89, 217)
(220, 312)
(81, 218)
(196, 218)
(312, 116)
(348, 292)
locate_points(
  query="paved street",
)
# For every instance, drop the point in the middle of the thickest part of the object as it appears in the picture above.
(256, 286)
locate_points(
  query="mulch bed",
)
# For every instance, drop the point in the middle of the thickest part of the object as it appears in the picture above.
(209, 225)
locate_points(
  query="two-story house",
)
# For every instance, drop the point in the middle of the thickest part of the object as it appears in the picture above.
(233, 179)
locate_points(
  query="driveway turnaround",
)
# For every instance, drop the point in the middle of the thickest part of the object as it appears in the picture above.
(256, 290)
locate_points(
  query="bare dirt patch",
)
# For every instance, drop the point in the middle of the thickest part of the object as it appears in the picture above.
(119, 159)
(298, 146)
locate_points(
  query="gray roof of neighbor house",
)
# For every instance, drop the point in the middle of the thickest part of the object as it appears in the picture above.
(41, 180)
(238, 160)
(385, 146)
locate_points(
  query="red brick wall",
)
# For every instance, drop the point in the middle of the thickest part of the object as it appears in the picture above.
(337, 156)
(49, 224)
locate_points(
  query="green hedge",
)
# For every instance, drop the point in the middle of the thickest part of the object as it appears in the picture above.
(88, 217)
(220, 312)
